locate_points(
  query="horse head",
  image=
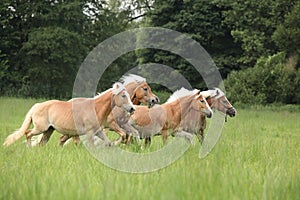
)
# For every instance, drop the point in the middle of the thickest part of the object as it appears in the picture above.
(139, 90)
(217, 99)
(200, 104)
(120, 98)
(191, 100)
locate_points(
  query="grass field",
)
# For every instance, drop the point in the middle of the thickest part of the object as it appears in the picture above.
(257, 157)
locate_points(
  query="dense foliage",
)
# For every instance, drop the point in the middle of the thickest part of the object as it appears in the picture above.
(255, 44)
(269, 81)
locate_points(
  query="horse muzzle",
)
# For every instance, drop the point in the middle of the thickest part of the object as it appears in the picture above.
(131, 110)
(231, 112)
(208, 113)
(153, 101)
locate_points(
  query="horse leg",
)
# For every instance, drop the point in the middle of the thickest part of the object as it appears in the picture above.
(102, 135)
(114, 126)
(132, 132)
(63, 139)
(128, 138)
(30, 133)
(46, 136)
(200, 136)
(76, 139)
(66, 139)
(147, 141)
(164, 134)
(188, 136)
(28, 139)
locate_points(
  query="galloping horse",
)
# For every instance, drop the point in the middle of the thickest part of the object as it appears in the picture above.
(216, 99)
(169, 116)
(139, 92)
(58, 115)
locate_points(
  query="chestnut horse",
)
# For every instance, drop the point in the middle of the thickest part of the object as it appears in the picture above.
(195, 122)
(59, 115)
(216, 100)
(139, 92)
(168, 117)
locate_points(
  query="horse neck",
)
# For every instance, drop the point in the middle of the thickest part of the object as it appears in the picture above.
(209, 101)
(177, 109)
(191, 121)
(103, 105)
(186, 104)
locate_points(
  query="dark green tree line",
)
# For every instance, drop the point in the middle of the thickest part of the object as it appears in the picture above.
(238, 35)
(42, 43)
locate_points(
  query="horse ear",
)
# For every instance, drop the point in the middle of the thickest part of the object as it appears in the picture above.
(196, 91)
(117, 85)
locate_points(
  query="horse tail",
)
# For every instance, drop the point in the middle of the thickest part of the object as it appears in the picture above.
(21, 131)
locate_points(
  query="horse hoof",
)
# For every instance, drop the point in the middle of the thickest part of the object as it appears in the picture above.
(108, 144)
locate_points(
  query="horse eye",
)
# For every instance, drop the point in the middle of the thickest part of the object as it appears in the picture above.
(124, 96)
(145, 89)
(202, 101)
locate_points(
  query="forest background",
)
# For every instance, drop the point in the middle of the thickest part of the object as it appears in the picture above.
(254, 44)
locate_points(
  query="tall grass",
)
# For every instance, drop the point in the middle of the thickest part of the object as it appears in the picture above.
(257, 157)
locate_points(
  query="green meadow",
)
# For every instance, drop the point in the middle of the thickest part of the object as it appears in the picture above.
(257, 157)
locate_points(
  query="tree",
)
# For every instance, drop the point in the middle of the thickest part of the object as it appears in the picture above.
(45, 40)
(52, 57)
(267, 82)
(252, 23)
(21, 21)
(287, 34)
(201, 20)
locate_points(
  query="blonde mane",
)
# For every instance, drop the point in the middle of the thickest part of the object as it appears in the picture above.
(116, 89)
(215, 93)
(102, 93)
(126, 79)
(205, 94)
(179, 94)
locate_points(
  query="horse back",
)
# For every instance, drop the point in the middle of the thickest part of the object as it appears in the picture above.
(141, 116)
(56, 114)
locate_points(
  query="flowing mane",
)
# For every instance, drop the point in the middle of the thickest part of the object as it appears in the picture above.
(205, 94)
(179, 94)
(215, 93)
(126, 79)
(117, 88)
(101, 93)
